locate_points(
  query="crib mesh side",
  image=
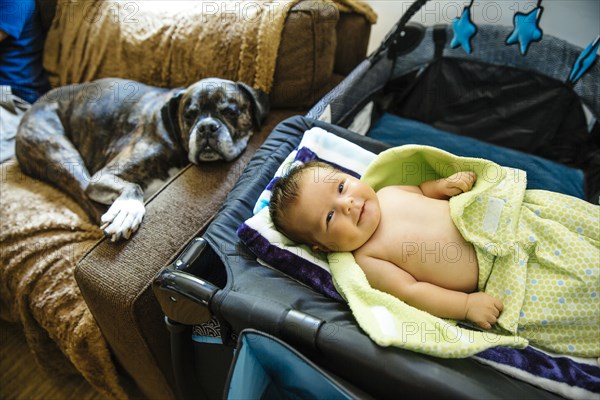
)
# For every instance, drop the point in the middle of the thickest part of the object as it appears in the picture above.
(552, 57)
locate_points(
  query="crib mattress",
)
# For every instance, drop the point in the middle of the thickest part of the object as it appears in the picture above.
(256, 296)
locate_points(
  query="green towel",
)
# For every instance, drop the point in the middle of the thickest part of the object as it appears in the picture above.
(391, 322)
(537, 251)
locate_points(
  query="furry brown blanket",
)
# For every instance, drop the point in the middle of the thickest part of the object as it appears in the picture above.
(171, 44)
(42, 235)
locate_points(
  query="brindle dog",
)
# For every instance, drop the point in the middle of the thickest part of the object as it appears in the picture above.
(109, 140)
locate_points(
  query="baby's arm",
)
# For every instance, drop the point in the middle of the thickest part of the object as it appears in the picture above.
(479, 307)
(445, 188)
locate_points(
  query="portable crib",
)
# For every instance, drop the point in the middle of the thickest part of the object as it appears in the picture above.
(216, 289)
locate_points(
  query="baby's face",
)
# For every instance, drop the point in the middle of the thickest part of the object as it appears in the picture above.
(334, 210)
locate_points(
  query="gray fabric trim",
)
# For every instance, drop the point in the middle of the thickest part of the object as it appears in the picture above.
(12, 109)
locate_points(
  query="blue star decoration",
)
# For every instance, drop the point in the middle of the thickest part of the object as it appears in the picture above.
(526, 29)
(584, 61)
(464, 30)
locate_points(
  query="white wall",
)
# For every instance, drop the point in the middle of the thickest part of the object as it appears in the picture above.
(577, 21)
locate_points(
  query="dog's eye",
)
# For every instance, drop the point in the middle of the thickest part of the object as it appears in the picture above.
(190, 114)
(231, 110)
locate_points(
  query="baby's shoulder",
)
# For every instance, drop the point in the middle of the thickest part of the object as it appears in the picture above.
(398, 190)
(389, 189)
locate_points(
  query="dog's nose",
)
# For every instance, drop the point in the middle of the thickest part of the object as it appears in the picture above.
(209, 126)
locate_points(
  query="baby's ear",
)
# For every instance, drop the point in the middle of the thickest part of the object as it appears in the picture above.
(319, 248)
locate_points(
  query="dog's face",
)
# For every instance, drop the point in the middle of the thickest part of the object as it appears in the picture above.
(215, 118)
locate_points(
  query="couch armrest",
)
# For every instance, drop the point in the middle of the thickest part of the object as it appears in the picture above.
(353, 32)
(115, 278)
(306, 55)
(318, 42)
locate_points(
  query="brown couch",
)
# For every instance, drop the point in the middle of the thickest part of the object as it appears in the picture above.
(319, 43)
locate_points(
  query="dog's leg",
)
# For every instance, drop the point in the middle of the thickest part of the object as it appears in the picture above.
(126, 200)
(44, 152)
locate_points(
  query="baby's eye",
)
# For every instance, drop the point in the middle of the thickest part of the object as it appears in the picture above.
(340, 187)
(329, 216)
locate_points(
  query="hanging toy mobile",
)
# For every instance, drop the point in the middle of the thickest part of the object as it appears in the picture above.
(584, 61)
(464, 30)
(527, 28)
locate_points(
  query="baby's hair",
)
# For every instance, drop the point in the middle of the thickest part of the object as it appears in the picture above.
(285, 193)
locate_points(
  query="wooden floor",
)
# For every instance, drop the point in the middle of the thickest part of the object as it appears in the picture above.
(21, 378)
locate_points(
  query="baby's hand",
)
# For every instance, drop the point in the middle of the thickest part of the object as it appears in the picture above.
(459, 182)
(483, 309)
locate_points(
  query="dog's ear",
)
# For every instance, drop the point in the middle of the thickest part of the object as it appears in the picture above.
(260, 103)
(169, 113)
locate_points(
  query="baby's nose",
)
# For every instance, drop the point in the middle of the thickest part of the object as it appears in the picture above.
(347, 204)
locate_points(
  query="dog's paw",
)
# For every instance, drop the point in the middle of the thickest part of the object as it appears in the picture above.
(122, 219)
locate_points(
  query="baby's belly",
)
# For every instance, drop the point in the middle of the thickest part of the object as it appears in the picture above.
(449, 264)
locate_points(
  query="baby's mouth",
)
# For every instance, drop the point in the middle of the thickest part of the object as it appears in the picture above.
(362, 210)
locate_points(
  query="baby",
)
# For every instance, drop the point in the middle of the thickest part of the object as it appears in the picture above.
(402, 237)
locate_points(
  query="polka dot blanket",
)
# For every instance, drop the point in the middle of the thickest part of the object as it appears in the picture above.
(537, 251)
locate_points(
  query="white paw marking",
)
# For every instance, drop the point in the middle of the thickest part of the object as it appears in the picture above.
(123, 218)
